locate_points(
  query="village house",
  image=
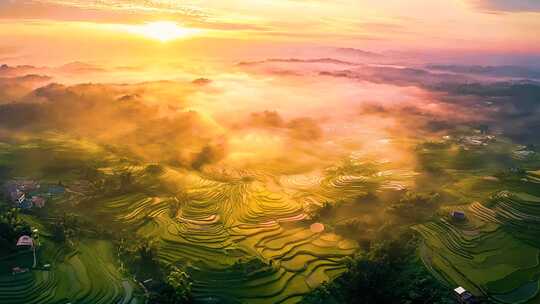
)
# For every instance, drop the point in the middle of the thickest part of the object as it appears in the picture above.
(457, 215)
(476, 140)
(38, 202)
(55, 190)
(19, 270)
(23, 194)
(464, 297)
(25, 241)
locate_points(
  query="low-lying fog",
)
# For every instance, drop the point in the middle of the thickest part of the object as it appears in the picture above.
(289, 115)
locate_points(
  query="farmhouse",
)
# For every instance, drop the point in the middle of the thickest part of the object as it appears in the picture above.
(458, 215)
(25, 241)
(28, 185)
(23, 194)
(476, 140)
(56, 190)
(38, 201)
(25, 204)
(464, 297)
(18, 270)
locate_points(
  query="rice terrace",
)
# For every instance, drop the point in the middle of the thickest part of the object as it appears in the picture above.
(313, 152)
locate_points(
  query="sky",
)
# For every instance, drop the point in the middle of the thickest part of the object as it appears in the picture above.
(56, 31)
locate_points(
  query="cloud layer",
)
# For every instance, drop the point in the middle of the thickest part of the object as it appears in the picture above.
(508, 5)
(304, 119)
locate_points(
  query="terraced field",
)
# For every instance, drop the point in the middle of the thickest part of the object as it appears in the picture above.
(242, 235)
(534, 177)
(495, 252)
(84, 276)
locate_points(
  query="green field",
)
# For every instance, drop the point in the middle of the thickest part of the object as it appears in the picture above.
(227, 223)
(88, 275)
(495, 252)
(244, 235)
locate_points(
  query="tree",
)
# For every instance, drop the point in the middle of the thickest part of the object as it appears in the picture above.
(66, 228)
(389, 273)
(154, 169)
(530, 147)
(147, 251)
(209, 154)
(140, 256)
(91, 173)
(484, 129)
(181, 283)
(176, 289)
(350, 228)
(122, 180)
(415, 207)
(326, 211)
(127, 180)
(12, 226)
(180, 199)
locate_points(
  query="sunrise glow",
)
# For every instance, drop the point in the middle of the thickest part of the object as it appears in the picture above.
(163, 31)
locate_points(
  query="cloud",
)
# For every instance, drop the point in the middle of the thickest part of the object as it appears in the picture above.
(305, 128)
(454, 94)
(78, 67)
(69, 70)
(119, 11)
(15, 88)
(98, 11)
(266, 119)
(508, 5)
(397, 76)
(202, 81)
(301, 128)
(15, 71)
(252, 117)
(7, 50)
(98, 111)
(297, 60)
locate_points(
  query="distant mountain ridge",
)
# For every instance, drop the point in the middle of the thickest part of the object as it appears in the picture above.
(496, 71)
(358, 52)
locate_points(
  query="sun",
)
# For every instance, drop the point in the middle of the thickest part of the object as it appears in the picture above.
(162, 30)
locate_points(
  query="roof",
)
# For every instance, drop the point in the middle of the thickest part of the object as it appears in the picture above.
(460, 290)
(56, 189)
(25, 240)
(467, 295)
(459, 214)
(25, 204)
(38, 201)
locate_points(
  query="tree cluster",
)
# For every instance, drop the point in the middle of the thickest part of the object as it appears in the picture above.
(12, 226)
(140, 255)
(389, 273)
(415, 207)
(176, 289)
(67, 229)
